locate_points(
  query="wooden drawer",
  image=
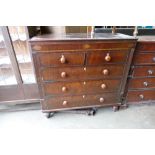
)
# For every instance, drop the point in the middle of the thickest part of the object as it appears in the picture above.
(80, 73)
(141, 96)
(144, 59)
(143, 71)
(100, 58)
(61, 59)
(142, 83)
(144, 46)
(69, 45)
(54, 103)
(85, 87)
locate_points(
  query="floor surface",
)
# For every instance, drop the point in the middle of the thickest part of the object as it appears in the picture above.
(142, 116)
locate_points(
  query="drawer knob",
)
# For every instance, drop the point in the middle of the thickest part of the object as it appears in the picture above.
(62, 59)
(108, 57)
(141, 96)
(63, 74)
(101, 99)
(83, 96)
(64, 103)
(64, 89)
(105, 71)
(145, 84)
(103, 86)
(153, 59)
(150, 72)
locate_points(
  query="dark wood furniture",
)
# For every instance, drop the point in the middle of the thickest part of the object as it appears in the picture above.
(80, 71)
(141, 82)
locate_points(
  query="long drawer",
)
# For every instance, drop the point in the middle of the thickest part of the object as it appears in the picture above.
(85, 87)
(102, 57)
(144, 59)
(79, 45)
(145, 46)
(141, 83)
(143, 71)
(61, 59)
(79, 101)
(80, 73)
(140, 96)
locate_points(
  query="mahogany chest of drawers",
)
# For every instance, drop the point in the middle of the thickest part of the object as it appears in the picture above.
(141, 83)
(81, 71)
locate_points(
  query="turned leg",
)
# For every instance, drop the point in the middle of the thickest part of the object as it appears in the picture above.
(91, 112)
(49, 114)
(115, 108)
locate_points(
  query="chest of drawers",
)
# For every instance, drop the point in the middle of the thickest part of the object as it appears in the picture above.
(141, 83)
(78, 71)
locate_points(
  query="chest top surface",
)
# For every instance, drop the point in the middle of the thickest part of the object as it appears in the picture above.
(82, 36)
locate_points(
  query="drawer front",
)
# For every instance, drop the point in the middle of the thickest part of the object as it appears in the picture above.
(79, 73)
(142, 83)
(141, 96)
(145, 47)
(79, 101)
(85, 87)
(99, 58)
(80, 45)
(144, 59)
(61, 59)
(144, 71)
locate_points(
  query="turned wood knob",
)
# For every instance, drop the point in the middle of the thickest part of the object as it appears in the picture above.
(108, 57)
(101, 99)
(103, 86)
(141, 96)
(153, 59)
(105, 72)
(64, 103)
(62, 59)
(145, 84)
(64, 89)
(63, 74)
(150, 72)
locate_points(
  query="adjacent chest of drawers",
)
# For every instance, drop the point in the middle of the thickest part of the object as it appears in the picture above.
(141, 83)
(81, 73)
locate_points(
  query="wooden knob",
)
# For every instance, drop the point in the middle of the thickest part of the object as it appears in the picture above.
(83, 96)
(153, 59)
(108, 57)
(62, 59)
(141, 96)
(64, 89)
(105, 72)
(64, 103)
(103, 86)
(101, 99)
(145, 84)
(150, 72)
(63, 74)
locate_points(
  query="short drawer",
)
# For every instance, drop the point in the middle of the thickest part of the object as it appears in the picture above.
(144, 59)
(143, 71)
(80, 73)
(84, 87)
(141, 83)
(102, 57)
(61, 59)
(141, 96)
(79, 101)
